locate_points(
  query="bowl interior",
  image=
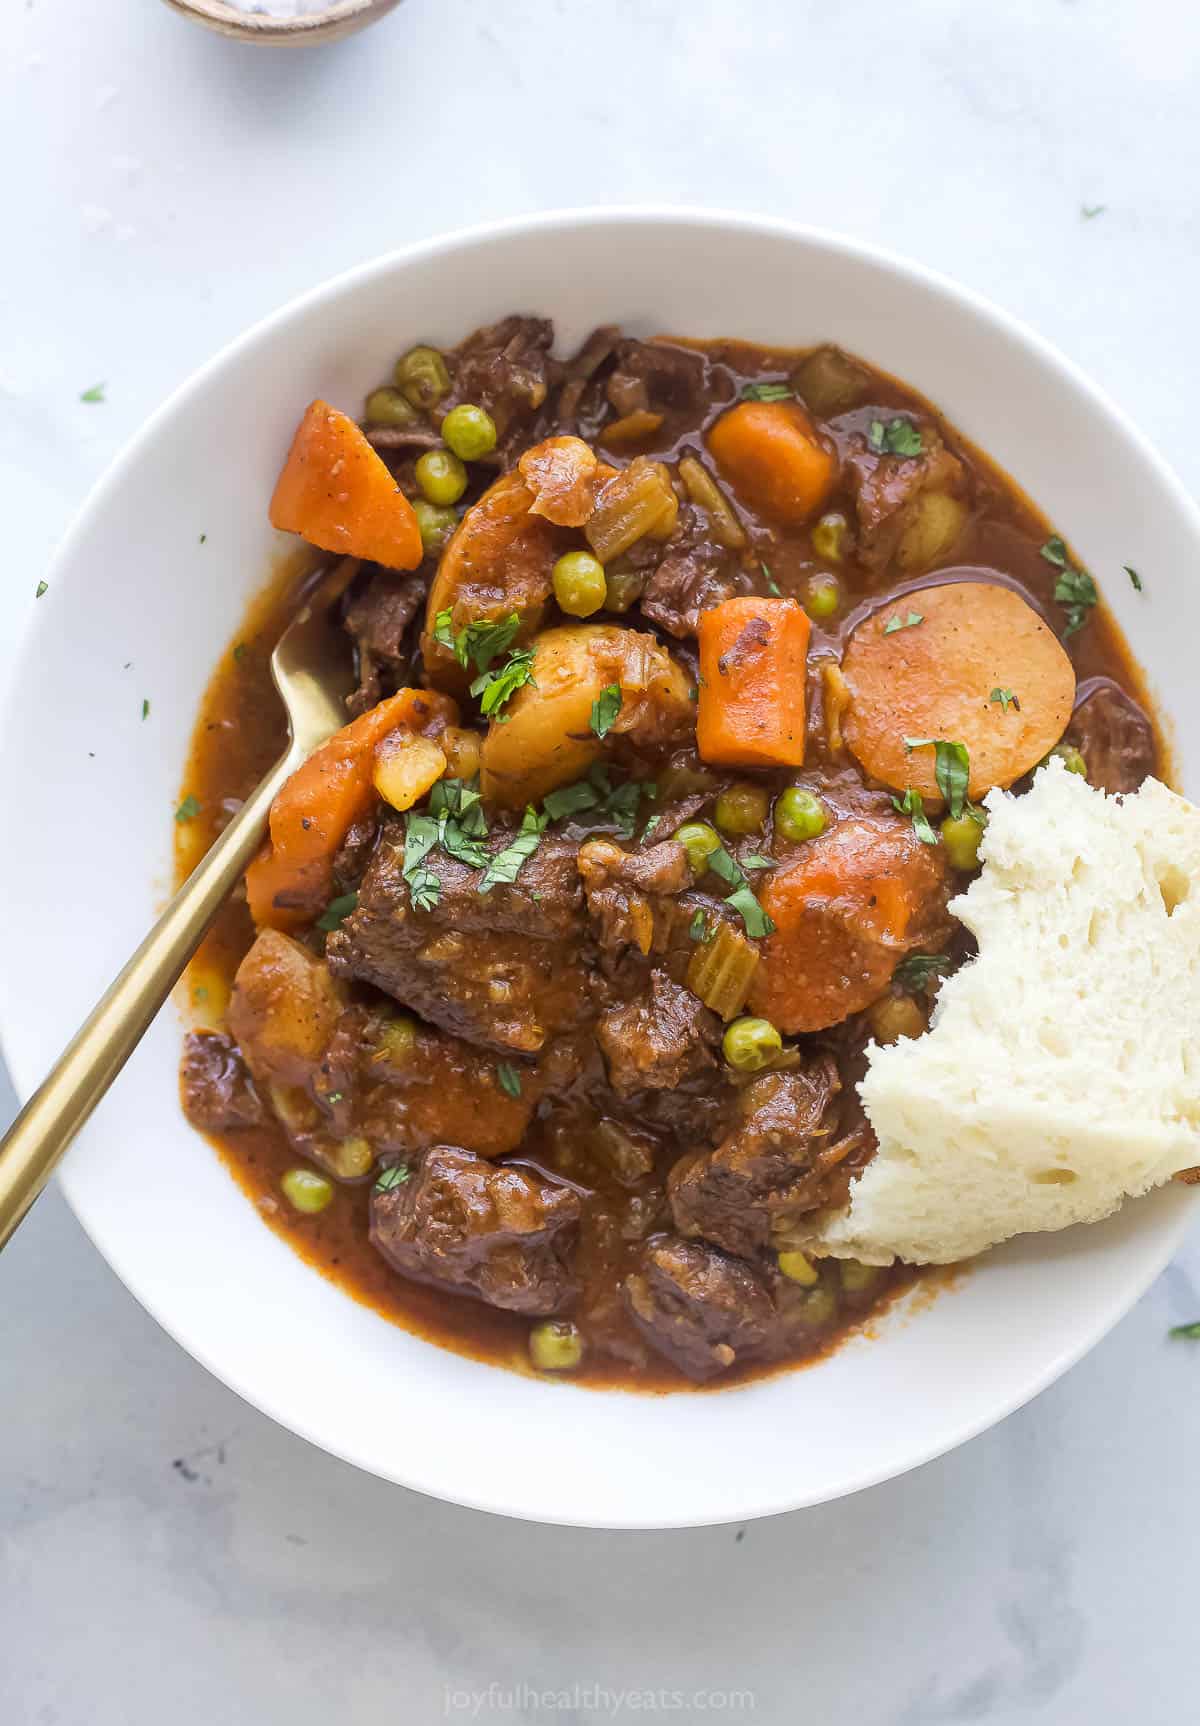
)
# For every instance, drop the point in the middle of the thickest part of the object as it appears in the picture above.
(145, 594)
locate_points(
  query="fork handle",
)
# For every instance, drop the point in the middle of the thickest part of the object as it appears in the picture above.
(45, 1127)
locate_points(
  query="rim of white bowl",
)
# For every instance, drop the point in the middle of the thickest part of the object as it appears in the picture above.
(481, 234)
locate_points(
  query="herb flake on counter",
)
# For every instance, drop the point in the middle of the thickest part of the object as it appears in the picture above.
(203, 538)
(1190, 1332)
(42, 587)
(394, 1176)
(145, 709)
(898, 622)
(912, 804)
(1135, 578)
(1089, 212)
(506, 865)
(915, 973)
(605, 710)
(95, 394)
(951, 769)
(897, 437)
(188, 809)
(1004, 698)
(767, 392)
(336, 911)
(510, 1079)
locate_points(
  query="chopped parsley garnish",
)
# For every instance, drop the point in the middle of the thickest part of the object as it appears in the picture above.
(772, 584)
(334, 1097)
(756, 862)
(726, 867)
(1089, 212)
(570, 800)
(239, 653)
(618, 804)
(421, 834)
(145, 709)
(1191, 1332)
(1134, 577)
(42, 587)
(951, 769)
(394, 1176)
(605, 709)
(203, 538)
(897, 437)
(915, 973)
(649, 828)
(698, 927)
(200, 994)
(1074, 590)
(767, 392)
(95, 394)
(1004, 698)
(336, 911)
(506, 865)
(188, 809)
(480, 642)
(494, 687)
(510, 1079)
(898, 622)
(912, 804)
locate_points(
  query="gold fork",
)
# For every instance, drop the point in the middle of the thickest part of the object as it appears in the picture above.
(312, 671)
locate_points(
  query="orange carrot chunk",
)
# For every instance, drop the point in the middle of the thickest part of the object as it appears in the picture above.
(970, 662)
(855, 900)
(290, 881)
(751, 694)
(337, 493)
(773, 456)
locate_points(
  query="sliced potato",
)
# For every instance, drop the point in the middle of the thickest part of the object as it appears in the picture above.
(545, 739)
(936, 678)
(406, 765)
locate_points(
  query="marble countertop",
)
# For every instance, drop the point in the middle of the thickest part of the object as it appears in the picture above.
(165, 1552)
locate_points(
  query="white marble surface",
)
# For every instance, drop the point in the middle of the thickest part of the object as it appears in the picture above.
(165, 1553)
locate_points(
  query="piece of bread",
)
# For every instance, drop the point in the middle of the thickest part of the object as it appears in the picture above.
(1061, 1071)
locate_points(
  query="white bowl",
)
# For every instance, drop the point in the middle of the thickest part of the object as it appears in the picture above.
(139, 606)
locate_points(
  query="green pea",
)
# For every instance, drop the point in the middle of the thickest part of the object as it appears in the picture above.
(699, 840)
(555, 1345)
(750, 1044)
(579, 584)
(829, 537)
(469, 431)
(436, 524)
(799, 814)
(823, 596)
(741, 809)
(421, 375)
(387, 407)
(961, 836)
(797, 1267)
(1070, 757)
(441, 476)
(858, 1278)
(307, 1191)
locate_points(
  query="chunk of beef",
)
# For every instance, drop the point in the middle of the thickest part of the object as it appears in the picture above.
(630, 894)
(1113, 735)
(692, 576)
(507, 369)
(887, 489)
(658, 1040)
(218, 1092)
(699, 1307)
(656, 376)
(377, 621)
(785, 1158)
(352, 855)
(503, 968)
(500, 1234)
(580, 370)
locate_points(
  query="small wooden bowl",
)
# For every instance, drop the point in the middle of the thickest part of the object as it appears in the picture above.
(339, 18)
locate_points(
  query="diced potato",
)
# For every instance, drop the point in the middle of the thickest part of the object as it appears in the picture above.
(462, 750)
(284, 1008)
(406, 765)
(544, 738)
(935, 521)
